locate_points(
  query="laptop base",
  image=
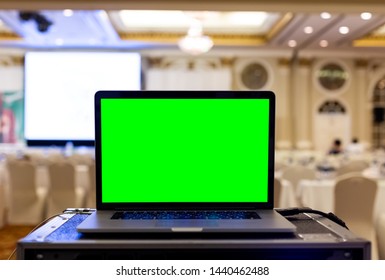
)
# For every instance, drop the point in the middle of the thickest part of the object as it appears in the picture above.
(270, 222)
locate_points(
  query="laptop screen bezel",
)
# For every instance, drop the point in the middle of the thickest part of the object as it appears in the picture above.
(187, 94)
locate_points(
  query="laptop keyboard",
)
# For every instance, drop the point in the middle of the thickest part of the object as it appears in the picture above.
(172, 215)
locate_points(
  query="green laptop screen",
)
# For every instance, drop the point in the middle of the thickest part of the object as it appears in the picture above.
(184, 150)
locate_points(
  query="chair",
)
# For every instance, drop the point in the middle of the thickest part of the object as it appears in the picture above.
(354, 198)
(294, 174)
(277, 192)
(81, 159)
(55, 156)
(91, 194)
(37, 157)
(352, 166)
(63, 191)
(26, 200)
(2, 206)
(279, 166)
(380, 229)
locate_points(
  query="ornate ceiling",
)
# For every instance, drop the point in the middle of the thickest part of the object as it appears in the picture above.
(162, 29)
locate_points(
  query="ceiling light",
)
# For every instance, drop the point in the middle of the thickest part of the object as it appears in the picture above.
(68, 13)
(344, 30)
(202, 15)
(247, 18)
(308, 30)
(140, 18)
(292, 43)
(195, 42)
(324, 43)
(195, 45)
(326, 15)
(366, 16)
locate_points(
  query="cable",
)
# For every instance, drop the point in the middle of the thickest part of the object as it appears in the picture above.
(296, 211)
(35, 228)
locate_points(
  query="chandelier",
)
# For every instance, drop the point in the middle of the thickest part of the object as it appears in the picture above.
(195, 42)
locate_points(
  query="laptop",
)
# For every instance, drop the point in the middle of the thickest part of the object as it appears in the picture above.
(184, 161)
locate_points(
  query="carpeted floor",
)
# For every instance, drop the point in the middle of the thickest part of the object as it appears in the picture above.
(9, 235)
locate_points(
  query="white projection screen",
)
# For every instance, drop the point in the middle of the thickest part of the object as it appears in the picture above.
(59, 92)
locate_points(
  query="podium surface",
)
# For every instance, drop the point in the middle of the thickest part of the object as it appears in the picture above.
(316, 238)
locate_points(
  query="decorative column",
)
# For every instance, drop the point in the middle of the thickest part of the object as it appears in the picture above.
(284, 110)
(302, 104)
(363, 112)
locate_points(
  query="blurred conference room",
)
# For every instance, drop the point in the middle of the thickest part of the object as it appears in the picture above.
(324, 60)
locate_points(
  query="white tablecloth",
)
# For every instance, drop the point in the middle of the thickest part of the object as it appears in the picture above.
(287, 198)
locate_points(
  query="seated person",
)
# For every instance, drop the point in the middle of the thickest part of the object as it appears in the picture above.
(336, 147)
(355, 148)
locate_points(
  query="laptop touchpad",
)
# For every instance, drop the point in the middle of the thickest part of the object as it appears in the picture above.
(187, 225)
